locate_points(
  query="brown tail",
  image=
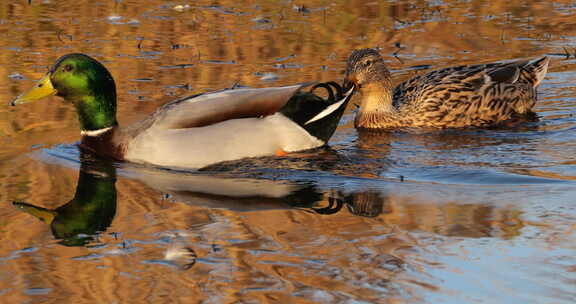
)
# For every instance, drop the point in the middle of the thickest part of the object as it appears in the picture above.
(534, 72)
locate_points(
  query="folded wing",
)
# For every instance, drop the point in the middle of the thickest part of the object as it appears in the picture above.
(210, 108)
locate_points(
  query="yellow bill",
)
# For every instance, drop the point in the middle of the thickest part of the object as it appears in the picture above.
(45, 215)
(43, 88)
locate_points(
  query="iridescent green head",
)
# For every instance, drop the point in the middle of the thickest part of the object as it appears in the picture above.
(83, 81)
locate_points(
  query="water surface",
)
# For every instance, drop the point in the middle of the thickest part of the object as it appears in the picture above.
(458, 216)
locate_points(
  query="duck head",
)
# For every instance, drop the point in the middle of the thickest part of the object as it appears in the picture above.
(365, 68)
(367, 72)
(86, 83)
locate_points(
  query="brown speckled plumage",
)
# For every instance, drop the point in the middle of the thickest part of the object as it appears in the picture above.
(480, 95)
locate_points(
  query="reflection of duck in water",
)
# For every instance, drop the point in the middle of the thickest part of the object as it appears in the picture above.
(90, 211)
(207, 189)
(481, 95)
(440, 140)
(367, 203)
(440, 216)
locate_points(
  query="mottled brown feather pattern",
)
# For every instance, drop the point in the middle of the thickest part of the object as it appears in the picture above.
(463, 96)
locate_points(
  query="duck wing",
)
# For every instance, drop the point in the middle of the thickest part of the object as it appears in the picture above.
(210, 108)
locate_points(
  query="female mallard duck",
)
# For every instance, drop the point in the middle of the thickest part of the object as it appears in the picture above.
(195, 131)
(464, 96)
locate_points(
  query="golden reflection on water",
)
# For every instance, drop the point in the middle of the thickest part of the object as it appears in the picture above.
(362, 230)
(258, 241)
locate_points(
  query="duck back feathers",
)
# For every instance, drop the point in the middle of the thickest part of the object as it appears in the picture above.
(476, 95)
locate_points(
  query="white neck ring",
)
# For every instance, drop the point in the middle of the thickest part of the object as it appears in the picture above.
(95, 132)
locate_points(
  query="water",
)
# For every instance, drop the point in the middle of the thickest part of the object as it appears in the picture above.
(458, 216)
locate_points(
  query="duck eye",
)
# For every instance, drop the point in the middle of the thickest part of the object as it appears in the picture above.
(68, 68)
(368, 63)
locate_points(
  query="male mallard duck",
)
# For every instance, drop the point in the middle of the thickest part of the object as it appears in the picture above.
(195, 131)
(480, 95)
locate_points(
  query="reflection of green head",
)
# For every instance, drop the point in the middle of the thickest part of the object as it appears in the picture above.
(89, 212)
